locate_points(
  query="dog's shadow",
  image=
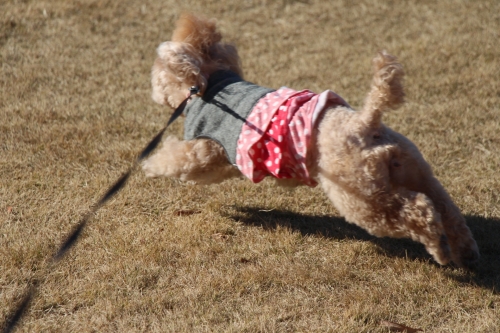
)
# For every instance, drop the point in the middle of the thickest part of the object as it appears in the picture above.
(485, 230)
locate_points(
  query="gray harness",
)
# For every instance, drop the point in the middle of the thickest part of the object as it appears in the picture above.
(222, 110)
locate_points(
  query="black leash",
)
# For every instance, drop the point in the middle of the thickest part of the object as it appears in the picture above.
(73, 237)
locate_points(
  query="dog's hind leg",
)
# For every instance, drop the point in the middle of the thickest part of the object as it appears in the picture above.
(419, 220)
(403, 214)
(464, 250)
(202, 161)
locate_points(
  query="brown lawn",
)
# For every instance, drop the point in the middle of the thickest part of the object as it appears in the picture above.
(164, 256)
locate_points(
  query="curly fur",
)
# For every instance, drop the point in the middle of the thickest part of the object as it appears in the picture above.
(195, 51)
(374, 176)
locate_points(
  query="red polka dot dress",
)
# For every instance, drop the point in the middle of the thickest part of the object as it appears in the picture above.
(276, 136)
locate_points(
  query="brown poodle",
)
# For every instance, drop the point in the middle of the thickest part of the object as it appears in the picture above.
(375, 177)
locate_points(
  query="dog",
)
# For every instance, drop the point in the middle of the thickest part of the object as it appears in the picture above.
(375, 177)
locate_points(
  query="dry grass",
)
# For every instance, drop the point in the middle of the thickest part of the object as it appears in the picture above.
(75, 108)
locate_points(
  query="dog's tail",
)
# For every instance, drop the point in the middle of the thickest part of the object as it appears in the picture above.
(387, 89)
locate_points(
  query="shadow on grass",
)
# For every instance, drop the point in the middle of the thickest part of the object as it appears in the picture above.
(486, 232)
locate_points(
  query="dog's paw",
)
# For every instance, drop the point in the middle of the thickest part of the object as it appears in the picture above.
(157, 165)
(469, 258)
(149, 168)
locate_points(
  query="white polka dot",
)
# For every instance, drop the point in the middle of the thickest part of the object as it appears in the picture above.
(259, 160)
(277, 150)
(250, 164)
(259, 145)
(291, 124)
(282, 122)
(300, 144)
(271, 132)
(298, 122)
(247, 132)
(280, 138)
(269, 163)
(251, 152)
(238, 157)
(306, 131)
(277, 161)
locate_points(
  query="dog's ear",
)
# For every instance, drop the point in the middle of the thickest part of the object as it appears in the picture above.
(176, 69)
(386, 91)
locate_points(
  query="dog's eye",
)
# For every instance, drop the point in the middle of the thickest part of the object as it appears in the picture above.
(376, 136)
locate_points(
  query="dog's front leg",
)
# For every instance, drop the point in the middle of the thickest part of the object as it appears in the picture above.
(202, 161)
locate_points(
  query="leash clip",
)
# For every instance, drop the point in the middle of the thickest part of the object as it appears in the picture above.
(193, 90)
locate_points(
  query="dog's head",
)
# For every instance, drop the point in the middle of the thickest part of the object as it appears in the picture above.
(195, 52)
(175, 70)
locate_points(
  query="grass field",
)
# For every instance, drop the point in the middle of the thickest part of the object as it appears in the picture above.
(165, 256)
